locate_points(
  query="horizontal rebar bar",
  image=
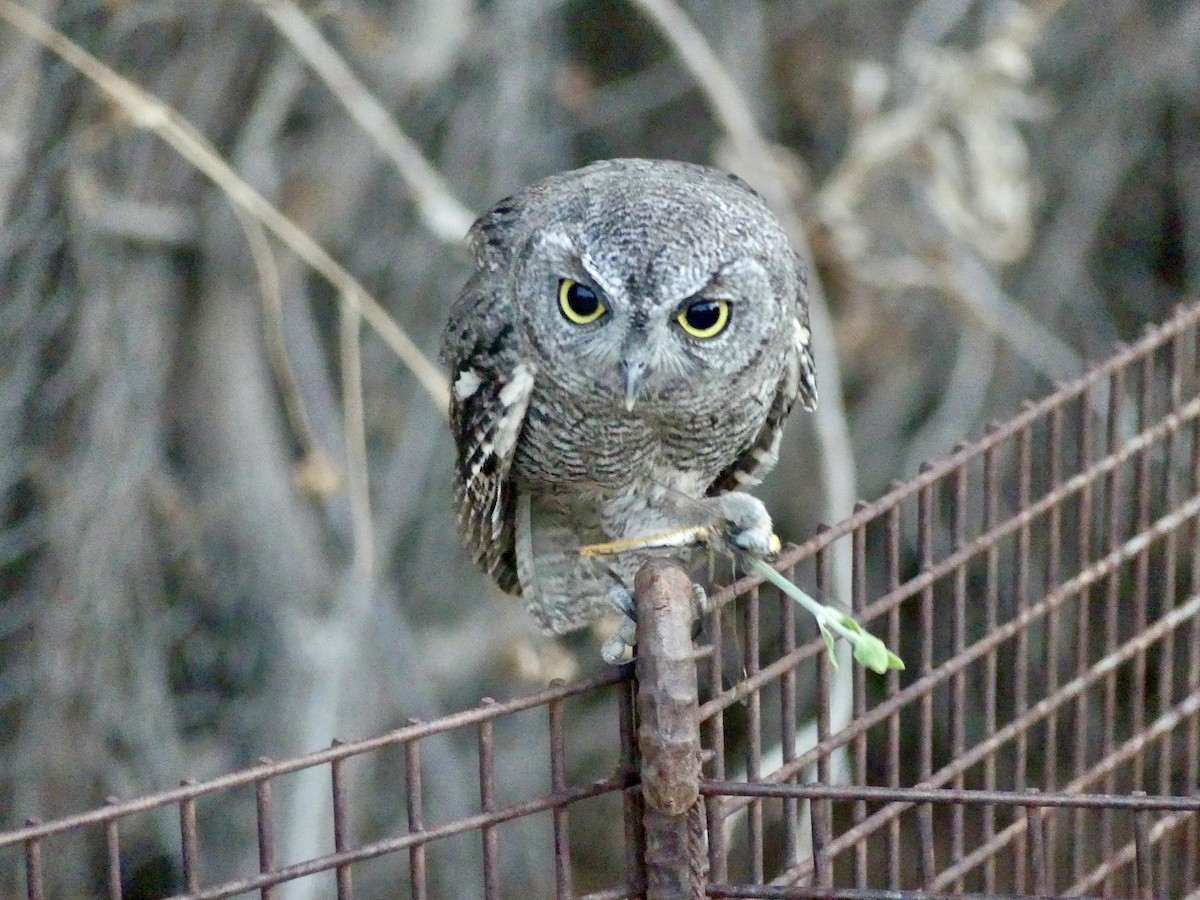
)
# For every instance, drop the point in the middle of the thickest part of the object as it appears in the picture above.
(814, 791)
(341, 750)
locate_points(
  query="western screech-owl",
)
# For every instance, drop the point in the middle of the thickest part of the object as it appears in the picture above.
(623, 360)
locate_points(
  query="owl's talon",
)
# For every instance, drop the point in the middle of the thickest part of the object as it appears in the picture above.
(622, 601)
(618, 648)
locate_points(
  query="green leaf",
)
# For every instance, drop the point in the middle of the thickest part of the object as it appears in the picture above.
(850, 624)
(825, 633)
(870, 652)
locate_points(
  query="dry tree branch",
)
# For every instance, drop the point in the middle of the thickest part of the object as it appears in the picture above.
(444, 215)
(149, 112)
(978, 290)
(356, 440)
(315, 474)
(962, 123)
(722, 93)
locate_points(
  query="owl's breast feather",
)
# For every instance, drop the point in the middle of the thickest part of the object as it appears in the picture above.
(605, 451)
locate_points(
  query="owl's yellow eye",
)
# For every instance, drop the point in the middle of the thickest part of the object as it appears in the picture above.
(705, 318)
(579, 302)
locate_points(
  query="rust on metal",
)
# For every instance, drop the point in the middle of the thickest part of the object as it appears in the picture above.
(668, 694)
(668, 731)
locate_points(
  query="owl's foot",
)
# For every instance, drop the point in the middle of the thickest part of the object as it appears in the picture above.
(617, 650)
(747, 524)
(622, 601)
(619, 647)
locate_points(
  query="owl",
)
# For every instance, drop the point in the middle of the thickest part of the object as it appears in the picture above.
(622, 361)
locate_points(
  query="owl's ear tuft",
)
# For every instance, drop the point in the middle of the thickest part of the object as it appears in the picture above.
(492, 233)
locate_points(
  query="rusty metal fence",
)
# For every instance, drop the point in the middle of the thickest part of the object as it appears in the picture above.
(1042, 585)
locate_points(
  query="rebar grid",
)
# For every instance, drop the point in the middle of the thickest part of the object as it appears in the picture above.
(1042, 586)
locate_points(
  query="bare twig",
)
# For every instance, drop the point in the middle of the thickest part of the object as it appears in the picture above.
(441, 211)
(979, 291)
(725, 99)
(356, 440)
(149, 112)
(315, 473)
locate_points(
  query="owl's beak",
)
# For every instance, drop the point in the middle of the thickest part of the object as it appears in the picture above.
(634, 372)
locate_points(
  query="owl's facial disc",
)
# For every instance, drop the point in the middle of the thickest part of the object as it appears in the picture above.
(640, 325)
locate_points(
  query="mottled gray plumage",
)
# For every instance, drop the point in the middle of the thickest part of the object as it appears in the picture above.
(570, 434)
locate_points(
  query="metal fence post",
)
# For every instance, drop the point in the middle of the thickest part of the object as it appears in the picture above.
(669, 733)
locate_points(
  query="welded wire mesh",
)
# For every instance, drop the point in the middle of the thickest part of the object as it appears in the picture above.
(1049, 619)
(1042, 586)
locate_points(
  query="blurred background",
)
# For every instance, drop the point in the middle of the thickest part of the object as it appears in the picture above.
(991, 194)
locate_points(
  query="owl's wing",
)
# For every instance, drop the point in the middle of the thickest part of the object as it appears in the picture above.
(491, 389)
(799, 382)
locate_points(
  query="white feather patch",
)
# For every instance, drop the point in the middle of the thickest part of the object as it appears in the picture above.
(518, 386)
(514, 398)
(467, 384)
(801, 335)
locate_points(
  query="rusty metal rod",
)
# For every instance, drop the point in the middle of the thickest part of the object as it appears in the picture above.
(668, 730)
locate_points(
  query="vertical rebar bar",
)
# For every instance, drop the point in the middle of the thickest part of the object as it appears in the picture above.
(788, 723)
(1050, 659)
(631, 797)
(415, 800)
(958, 689)
(718, 851)
(35, 887)
(858, 600)
(1192, 753)
(264, 808)
(1079, 819)
(1021, 592)
(754, 819)
(341, 823)
(487, 803)
(668, 730)
(822, 864)
(112, 846)
(1031, 815)
(1167, 658)
(991, 517)
(558, 784)
(892, 561)
(925, 504)
(1112, 488)
(189, 841)
(1143, 858)
(1141, 565)
(822, 827)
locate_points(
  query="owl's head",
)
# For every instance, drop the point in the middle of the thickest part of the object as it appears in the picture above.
(640, 282)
